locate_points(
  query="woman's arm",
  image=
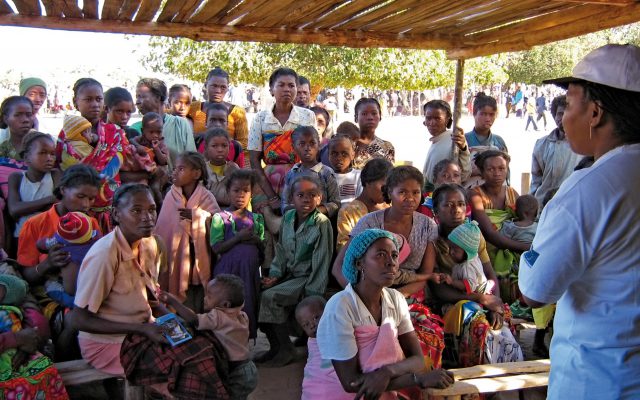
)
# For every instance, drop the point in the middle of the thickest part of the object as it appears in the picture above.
(490, 234)
(425, 273)
(263, 182)
(56, 259)
(86, 321)
(336, 269)
(18, 208)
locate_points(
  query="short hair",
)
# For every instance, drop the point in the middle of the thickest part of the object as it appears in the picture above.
(338, 138)
(116, 95)
(306, 178)
(482, 100)
(310, 301)
(302, 80)
(149, 117)
(485, 155)
(305, 130)
(526, 203)
(441, 166)
(374, 170)
(281, 72)
(157, 87)
(196, 161)
(179, 88)
(440, 105)
(319, 110)
(32, 137)
(84, 82)
(75, 176)
(348, 128)
(219, 72)
(217, 107)
(233, 288)
(398, 175)
(558, 101)
(8, 104)
(241, 175)
(438, 194)
(126, 191)
(363, 101)
(209, 134)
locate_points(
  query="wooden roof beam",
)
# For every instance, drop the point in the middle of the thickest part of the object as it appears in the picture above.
(207, 32)
(614, 16)
(5, 8)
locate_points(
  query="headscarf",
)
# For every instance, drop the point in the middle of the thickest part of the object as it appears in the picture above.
(357, 247)
(27, 83)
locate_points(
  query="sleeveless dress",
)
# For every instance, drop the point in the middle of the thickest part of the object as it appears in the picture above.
(31, 191)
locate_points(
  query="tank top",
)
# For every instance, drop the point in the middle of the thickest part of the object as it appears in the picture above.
(31, 191)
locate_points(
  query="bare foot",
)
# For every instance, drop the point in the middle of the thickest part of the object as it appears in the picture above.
(285, 356)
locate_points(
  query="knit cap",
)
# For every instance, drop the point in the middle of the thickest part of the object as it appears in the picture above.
(28, 83)
(76, 228)
(357, 247)
(15, 289)
(73, 126)
(467, 236)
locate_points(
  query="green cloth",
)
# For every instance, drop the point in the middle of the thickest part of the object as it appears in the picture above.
(27, 83)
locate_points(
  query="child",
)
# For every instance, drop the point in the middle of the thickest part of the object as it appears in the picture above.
(16, 120)
(524, 229)
(216, 151)
(118, 107)
(530, 111)
(341, 158)
(305, 144)
(367, 116)
(151, 153)
(31, 191)
(225, 318)
(75, 235)
(346, 128)
(467, 275)
(372, 178)
(323, 124)
(218, 117)
(300, 267)
(236, 238)
(179, 100)
(182, 224)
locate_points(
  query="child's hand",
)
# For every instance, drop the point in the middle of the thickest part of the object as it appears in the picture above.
(446, 278)
(268, 282)
(28, 340)
(165, 297)
(185, 213)
(246, 234)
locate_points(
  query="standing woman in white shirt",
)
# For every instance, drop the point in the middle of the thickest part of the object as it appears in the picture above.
(585, 255)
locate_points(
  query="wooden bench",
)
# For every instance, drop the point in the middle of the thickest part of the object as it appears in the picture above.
(494, 378)
(78, 372)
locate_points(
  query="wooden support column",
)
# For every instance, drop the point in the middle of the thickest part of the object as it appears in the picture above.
(458, 92)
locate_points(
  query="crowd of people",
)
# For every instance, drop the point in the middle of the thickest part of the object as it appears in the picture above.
(294, 227)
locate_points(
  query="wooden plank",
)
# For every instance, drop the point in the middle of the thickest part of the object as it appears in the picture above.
(298, 14)
(240, 10)
(615, 16)
(70, 9)
(111, 9)
(128, 10)
(525, 182)
(148, 9)
(347, 12)
(428, 12)
(209, 11)
(233, 33)
(171, 8)
(90, 9)
(492, 385)
(488, 370)
(608, 2)
(51, 7)
(27, 7)
(262, 16)
(187, 9)
(381, 14)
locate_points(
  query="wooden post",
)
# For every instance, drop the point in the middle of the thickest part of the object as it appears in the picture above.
(525, 183)
(457, 101)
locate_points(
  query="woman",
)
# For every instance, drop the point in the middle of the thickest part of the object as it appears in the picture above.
(438, 120)
(115, 315)
(16, 120)
(35, 89)
(584, 255)
(475, 332)
(270, 137)
(108, 156)
(492, 203)
(367, 114)
(217, 86)
(366, 329)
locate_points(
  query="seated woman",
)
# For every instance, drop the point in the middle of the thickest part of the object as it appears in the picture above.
(24, 372)
(366, 329)
(116, 304)
(493, 203)
(480, 337)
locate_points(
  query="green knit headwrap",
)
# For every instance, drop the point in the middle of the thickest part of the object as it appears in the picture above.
(357, 247)
(27, 83)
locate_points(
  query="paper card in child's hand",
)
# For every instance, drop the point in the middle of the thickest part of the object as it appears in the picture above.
(175, 332)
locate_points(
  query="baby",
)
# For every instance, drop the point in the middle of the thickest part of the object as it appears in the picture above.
(77, 130)
(467, 275)
(524, 229)
(76, 234)
(223, 301)
(152, 154)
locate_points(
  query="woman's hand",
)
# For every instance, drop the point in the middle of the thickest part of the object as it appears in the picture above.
(372, 384)
(57, 258)
(28, 340)
(496, 311)
(439, 378)
(245, 235)
(154, 332)
(268, 282)
(275, 202)
(458, 138)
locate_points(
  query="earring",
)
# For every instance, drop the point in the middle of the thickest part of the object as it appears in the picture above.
(590, 131)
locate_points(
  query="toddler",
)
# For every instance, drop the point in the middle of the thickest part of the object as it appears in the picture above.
(524, 229)
(341, 155)
(467, 275)
(75, 235)
(77, 130)
(224, 317)
(151, 153)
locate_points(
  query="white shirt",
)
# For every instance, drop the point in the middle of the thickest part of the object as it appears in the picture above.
(586, 257)
(471, 271)
(266, 122)
(345, 311)
(349, 185)
(441, 149)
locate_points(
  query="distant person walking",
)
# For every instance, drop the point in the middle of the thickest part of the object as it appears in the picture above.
(541, 107)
